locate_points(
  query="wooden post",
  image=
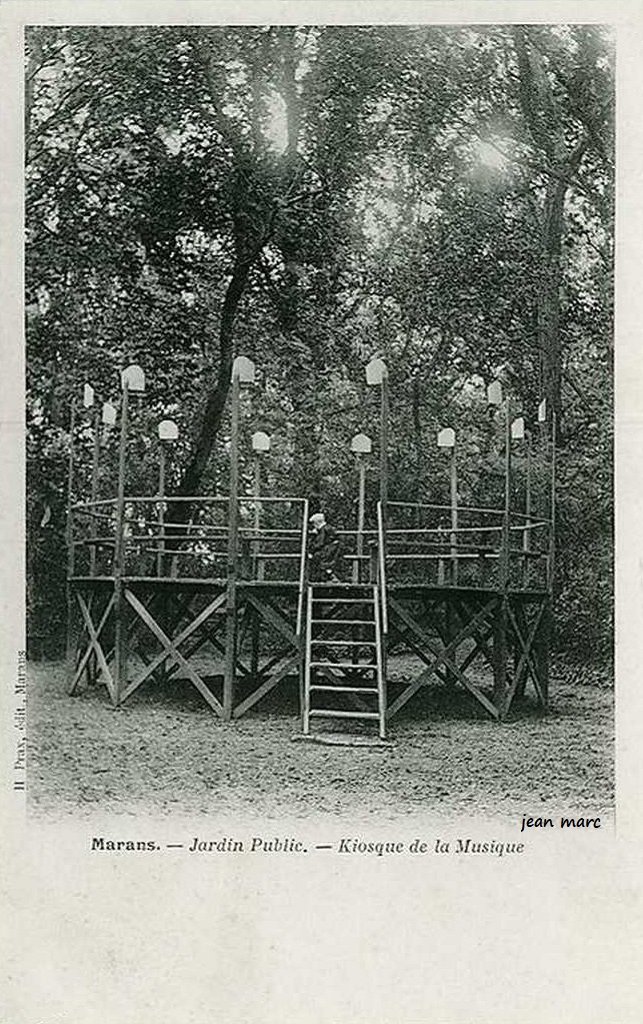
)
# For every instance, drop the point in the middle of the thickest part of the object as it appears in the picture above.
(258, 567)
(542, 650)
(384, 415)
(500, 687)
(507, 519)
(257, 491)
(526, 536)
(507, 454)
(454, 515)
(504, 554)
(70, 491)
(71, 636)
(361, 496)
(255, 637)
(233, 541)
(70, 657)
(120, 635)
(451, 626)
(160, 559)
(552, 542)
(94, 489)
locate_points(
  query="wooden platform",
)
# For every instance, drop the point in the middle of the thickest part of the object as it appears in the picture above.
(147, 601)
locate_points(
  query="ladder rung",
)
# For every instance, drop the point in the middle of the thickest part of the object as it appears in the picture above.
(342, 600)
(343, 622)
(345, 689)
(342, 664)
(318, 713)
(340, 586)
(343, 643)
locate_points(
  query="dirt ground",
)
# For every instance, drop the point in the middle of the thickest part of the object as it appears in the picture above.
(165, 753)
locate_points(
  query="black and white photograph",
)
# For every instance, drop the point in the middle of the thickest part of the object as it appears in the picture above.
(319, 418)
(320, 446)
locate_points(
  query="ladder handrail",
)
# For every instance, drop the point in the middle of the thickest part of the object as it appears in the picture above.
(302, 571)
(305, 711)
(381, 681)
(382, 567)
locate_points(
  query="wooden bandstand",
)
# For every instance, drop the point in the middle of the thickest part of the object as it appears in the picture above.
(162, 586)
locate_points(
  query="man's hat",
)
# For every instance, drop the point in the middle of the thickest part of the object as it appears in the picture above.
(318, 519)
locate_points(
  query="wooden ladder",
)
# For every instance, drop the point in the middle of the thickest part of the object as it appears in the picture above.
(343, 663)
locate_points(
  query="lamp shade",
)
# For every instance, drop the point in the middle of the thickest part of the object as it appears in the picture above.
(376, 371)
(244, 369)
(446, 438)
(494, 393)
(362, 444)
(260, 441)
(109, 414)
(518, 429)
(133, 379)
(168, 430)
(542, 411)
(88, 396)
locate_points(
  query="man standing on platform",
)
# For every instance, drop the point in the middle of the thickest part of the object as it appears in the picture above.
(323, 550)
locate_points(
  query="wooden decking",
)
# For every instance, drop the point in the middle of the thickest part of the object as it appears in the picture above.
(148, 597)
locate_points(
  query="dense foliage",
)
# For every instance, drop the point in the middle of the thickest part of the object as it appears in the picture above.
(311, 197)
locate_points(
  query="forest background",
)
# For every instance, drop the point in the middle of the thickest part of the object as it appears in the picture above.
(311, 197)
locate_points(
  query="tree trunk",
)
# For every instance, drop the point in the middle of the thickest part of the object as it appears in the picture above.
(548, 294)
(543, 118)
(216, 400)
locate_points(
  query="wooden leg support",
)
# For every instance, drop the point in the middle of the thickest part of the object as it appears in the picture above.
(230, 652)
(500, 682)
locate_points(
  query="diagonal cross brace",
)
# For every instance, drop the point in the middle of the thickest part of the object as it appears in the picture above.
(273, 618)
(95, 645)
(480, 640)
(196, 623)
(526, 663)
(90, 646)
(415, 647)
(444, 657)
(171, 648)
(288, 665)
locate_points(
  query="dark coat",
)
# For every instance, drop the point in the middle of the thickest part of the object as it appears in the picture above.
(323, 549)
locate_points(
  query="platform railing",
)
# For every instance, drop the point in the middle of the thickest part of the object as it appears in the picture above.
(419, 544)
(159, 542)
(352, 544)
(92, 533)
(479, 553)
(270, 548)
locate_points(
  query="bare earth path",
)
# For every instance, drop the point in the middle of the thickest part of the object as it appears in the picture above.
(166, 753)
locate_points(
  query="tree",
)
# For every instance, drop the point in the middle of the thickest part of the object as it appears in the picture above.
(312, 197)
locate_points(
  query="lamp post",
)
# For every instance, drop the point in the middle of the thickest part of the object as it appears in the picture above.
(132, 380)
(494, 398)
(168, 433)
(243, 372)
(88, 403)
(362, 445)
(446, 439)
(542, 420)
(518, 433)
(377, 373)
(260, 443)
(70, 488)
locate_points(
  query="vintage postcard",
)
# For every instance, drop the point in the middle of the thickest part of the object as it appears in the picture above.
(321, 431)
